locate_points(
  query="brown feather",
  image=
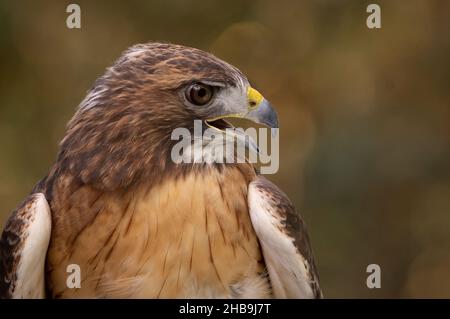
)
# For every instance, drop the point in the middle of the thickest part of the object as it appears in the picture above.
(189, 236)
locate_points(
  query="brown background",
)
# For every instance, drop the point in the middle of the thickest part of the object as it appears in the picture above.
(364, 114)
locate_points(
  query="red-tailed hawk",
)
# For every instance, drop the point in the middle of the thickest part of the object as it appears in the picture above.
(139, 224)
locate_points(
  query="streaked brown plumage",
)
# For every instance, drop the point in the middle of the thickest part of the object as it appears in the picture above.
(136, 223)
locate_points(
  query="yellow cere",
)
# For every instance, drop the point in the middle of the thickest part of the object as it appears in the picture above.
(254, 98)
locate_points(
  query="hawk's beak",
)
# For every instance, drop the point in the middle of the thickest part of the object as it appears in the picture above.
(260, 110)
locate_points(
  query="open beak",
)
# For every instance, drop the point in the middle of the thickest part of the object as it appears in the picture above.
(259, 110)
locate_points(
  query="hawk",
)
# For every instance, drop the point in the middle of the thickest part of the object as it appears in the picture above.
(140, 225)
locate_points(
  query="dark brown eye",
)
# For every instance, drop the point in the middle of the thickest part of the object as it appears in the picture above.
(199, 94)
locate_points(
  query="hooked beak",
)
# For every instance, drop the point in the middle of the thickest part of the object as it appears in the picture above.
(260, 110)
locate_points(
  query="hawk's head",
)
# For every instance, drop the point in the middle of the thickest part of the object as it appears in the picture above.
(123, 127)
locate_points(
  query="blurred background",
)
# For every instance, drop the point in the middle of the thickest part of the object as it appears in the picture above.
(365, 114)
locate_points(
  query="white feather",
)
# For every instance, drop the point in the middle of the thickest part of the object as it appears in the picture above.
(287, 269)
(31, 269)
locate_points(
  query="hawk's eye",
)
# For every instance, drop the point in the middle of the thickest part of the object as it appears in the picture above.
(199, 93)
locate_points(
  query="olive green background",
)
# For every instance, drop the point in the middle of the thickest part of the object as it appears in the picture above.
(364, 114)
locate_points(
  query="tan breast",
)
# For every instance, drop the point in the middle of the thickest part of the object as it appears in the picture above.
(189, 237)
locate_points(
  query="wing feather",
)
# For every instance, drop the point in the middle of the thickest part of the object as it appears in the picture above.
(23, 248)
(284, 240)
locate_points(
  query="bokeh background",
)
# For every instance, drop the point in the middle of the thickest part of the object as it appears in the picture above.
(365, 114)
